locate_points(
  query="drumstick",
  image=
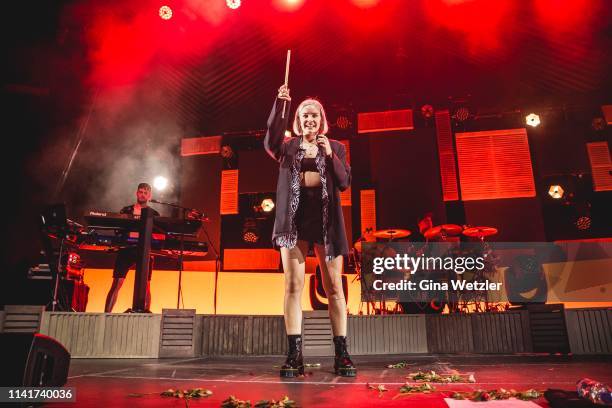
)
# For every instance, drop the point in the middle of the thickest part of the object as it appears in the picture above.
(286, 79)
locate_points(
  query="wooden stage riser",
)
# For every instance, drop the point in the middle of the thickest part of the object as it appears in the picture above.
(100, 335)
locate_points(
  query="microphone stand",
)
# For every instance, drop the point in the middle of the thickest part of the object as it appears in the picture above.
(217, 268)
(184, 211)
(57, 275)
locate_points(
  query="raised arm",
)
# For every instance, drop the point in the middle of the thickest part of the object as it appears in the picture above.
(275, 136)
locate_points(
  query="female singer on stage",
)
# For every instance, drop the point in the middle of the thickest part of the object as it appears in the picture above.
(313, 171)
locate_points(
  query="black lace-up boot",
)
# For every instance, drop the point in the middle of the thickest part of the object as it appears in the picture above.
(294, 364)
(343, 365)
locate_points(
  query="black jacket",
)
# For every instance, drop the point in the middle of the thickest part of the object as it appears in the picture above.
(338, 179)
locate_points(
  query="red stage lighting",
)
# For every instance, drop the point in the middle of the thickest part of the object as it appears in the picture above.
(598, 123)
(365, 3)
(343, 122)
(565, 16)
(482, 22)
(462, 114)
(428, 111)
(74, 258)
(289, 5)
(583, 222)
(249, 231)
(165, 12)
(74, 267)
(233, 4)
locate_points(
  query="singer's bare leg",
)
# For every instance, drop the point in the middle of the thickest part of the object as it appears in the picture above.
(331, 273)
(294, 264)
(111, 298)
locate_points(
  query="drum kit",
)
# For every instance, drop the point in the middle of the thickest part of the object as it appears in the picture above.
(391, 234)
(445, 233)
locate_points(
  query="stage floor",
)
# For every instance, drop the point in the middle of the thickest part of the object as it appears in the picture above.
(110, 382)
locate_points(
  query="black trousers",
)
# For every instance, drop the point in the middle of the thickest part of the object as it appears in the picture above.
(126, 259)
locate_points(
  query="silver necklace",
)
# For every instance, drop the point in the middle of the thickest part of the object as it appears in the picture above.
(311, 148)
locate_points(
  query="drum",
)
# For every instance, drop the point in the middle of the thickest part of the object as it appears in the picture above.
(431, 307)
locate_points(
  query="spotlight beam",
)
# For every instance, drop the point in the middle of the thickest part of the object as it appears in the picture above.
(160, 183)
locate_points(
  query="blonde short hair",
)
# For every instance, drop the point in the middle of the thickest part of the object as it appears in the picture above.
(297, 126)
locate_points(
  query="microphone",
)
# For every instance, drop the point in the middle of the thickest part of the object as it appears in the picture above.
(321, 147)
(197, 214)
(163, 203)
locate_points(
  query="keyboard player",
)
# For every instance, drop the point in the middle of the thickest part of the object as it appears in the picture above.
(126, 257)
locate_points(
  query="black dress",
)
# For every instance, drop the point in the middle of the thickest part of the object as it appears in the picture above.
(309, 215)
(290, 201)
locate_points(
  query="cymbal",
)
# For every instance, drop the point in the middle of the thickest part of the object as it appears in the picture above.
(391, 233)
(447, 229)
(479, 232)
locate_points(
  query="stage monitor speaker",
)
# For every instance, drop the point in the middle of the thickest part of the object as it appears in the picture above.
(32, 360)
(548, 329)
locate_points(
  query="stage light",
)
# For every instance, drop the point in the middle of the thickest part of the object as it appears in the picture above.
(165, 12)
(250, 237)
(287, 133)
(583, 215)
(598, 124)
(227, 152)
(74, 267)
(233, 4)
(525, 281)
(229, 156)
(343, 122)
(249, 231)
(427, 111)
(555, 191)
(267, 205)
(160, 183)
(462, 114)
(74, 258)
(583, 222)
(532, 120)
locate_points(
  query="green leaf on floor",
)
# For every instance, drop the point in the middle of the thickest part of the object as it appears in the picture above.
(188, 394)
(233, 402)
(432, 376)
(380, 388)
(409, 389)
(285, 402)
(497, 394)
